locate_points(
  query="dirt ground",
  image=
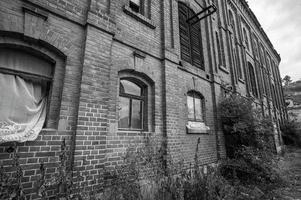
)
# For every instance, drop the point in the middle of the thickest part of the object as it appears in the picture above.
(290, 166)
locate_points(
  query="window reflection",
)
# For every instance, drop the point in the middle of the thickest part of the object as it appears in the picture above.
(131, 105)
(129, 88)
(195, 107)
(124, 108)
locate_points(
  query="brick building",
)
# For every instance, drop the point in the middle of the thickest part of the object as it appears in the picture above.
(114, 72)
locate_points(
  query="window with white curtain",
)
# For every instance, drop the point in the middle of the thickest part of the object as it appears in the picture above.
(25, 81)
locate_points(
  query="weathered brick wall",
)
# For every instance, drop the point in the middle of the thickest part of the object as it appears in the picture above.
(61, 40)
(73, 9)
(93, 46)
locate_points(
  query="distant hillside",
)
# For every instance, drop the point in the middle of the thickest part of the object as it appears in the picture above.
(293, 91)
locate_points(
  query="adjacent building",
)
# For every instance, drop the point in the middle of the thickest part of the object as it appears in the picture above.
(104, 74)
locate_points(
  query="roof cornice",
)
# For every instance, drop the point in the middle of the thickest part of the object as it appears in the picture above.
(259, 27)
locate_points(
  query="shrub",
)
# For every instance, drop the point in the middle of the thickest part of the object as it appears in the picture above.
(250, 147)
(244, 126)
(252, 166)
(10, 183)
(290, 134)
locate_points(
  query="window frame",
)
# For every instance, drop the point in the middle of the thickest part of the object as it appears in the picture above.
(143, 107)
(195, 95)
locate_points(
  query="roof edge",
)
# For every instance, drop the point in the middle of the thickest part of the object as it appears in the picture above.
(257, 23)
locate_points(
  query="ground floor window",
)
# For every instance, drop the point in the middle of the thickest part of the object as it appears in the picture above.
(195, 107)
(131, 104)
(24, 86)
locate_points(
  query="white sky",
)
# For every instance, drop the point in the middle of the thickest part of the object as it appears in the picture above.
(281, 20)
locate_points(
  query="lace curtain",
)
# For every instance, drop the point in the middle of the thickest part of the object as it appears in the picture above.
(22, 108)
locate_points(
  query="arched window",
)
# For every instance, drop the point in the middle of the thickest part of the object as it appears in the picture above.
(195, 106)
(190, 37)
(253, 80)
(132, 103)
(25, 82)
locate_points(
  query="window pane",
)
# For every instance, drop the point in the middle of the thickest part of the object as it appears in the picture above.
(135, 6)
(137, 2)
(190, 107)
(124, 107)
(130, 88)
(198, 109)
(136, 114)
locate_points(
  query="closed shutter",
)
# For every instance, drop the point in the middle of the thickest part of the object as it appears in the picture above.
(190, 38)
(196, 44)
(184, 33)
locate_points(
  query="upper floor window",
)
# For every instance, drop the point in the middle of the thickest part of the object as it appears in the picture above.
(253, 80)
(255, 48)
(218, 46)
(190, 37)
(237, 61)
(270, 65)
(132, 102)
(137, 6)
(246, 38)
(231, 19)
(263, 76)
(195, 106)
(261, 56)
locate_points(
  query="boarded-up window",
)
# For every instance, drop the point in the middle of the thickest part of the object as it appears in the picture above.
(190, 37)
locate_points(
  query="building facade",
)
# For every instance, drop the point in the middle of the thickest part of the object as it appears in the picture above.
(104, 74)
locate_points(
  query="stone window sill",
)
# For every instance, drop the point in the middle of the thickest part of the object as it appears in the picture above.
(197, 128)
(139, 17)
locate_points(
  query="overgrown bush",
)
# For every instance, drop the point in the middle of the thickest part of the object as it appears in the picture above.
(10, 183)
(238, 123)
(252, 162)
(290, 134)
(145, 164)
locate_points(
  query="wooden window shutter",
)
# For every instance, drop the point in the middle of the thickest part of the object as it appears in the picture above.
(196, 43)
(190, 38)
(184, 33)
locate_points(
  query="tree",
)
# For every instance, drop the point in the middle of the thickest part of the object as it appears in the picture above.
(286, 80)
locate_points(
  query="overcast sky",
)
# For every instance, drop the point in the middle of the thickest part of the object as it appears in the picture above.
(281, 20)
